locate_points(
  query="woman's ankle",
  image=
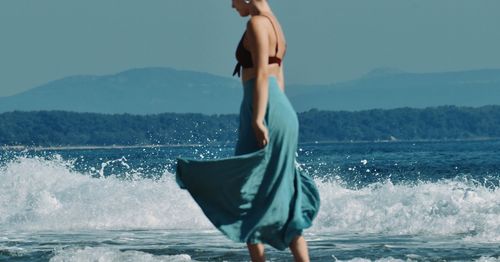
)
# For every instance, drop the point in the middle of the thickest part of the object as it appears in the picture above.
(299, 249)
(256, 252)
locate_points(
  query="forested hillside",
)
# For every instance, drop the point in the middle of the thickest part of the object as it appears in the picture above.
(60, 128)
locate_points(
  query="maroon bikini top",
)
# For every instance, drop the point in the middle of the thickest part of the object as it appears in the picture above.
(244, 57)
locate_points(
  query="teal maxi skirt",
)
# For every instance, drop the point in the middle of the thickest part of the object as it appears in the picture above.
(259, 195)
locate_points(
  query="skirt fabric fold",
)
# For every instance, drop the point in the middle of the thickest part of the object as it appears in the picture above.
(259, 195)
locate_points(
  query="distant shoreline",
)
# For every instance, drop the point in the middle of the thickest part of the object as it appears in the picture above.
(92, 147)
(45, 130)
(402, 140)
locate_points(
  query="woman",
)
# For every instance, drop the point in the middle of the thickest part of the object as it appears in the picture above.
(260, 195)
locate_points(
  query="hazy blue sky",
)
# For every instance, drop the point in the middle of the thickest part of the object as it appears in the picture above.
(328, 40)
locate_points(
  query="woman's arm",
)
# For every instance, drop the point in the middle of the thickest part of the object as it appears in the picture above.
(258, 37)
(281, 79)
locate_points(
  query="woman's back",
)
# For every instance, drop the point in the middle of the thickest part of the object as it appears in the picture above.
(276, 49)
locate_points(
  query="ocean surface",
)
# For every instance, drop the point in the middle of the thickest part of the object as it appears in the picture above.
(384, 201)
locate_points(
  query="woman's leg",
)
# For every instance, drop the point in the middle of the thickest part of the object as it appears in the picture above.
(299, 249)
(256, 252)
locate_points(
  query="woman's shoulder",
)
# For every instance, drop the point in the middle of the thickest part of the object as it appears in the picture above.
(256, 22)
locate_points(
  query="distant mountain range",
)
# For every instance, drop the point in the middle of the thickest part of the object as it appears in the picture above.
(387, 89)
(158, 90)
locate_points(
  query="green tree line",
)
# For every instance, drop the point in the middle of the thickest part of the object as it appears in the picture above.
(60, 128)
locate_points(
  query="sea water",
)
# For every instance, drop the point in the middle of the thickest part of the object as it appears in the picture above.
(383, 201)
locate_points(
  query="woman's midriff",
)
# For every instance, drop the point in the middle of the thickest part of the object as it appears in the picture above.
(249, 73)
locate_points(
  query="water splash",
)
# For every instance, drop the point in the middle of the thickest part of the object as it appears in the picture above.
(48, 194)
(113, 254)
(40, 194)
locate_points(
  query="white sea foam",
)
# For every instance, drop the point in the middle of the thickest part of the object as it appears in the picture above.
(387, 259)
(441, 208)
(112, 254)
(391, 259)
(488, 259)
(41, 194)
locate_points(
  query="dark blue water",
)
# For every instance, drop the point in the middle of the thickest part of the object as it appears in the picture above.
(411, 201)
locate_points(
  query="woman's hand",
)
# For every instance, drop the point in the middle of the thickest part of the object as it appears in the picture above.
(261, 133)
